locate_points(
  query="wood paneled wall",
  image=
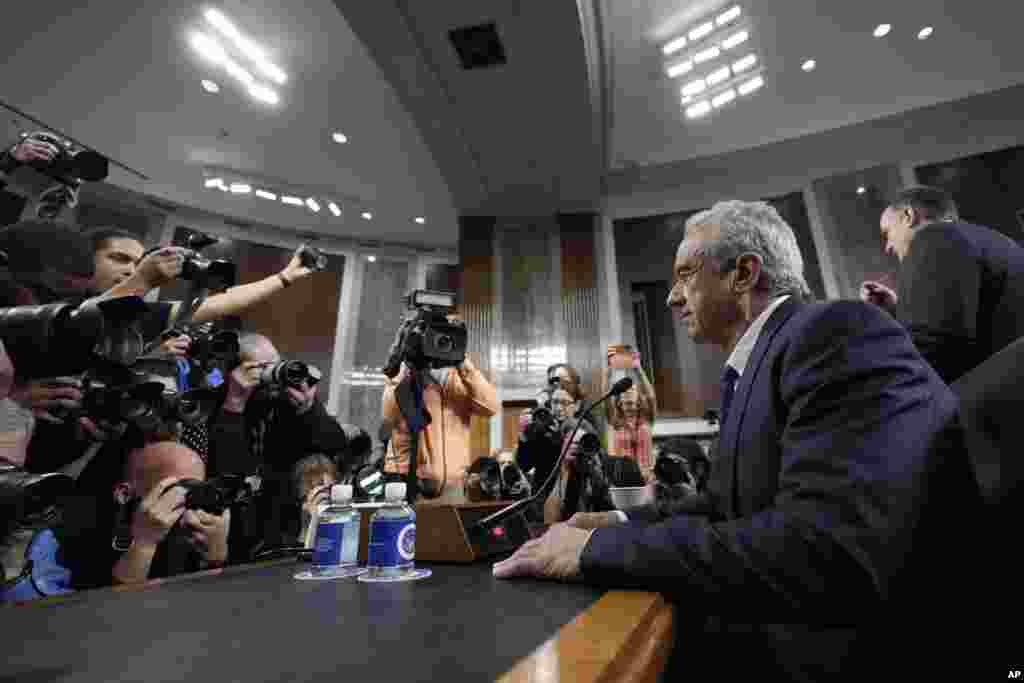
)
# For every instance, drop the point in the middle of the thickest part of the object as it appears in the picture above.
(477, 307)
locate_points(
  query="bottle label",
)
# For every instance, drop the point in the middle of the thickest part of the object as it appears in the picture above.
(392, 543)
(329, 538)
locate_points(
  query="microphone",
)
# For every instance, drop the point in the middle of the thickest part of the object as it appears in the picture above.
(493, 519)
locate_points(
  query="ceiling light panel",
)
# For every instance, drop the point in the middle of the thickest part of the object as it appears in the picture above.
(334, 208)
(718, 76)
(680, 69)
(744, 64)
(728, 16)
(698, 110)
(223, 44)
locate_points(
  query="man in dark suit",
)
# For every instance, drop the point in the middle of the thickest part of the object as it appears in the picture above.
(832, 479)
(961, 285)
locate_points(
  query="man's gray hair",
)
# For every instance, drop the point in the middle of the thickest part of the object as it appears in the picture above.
(249, 342)
(756, 228)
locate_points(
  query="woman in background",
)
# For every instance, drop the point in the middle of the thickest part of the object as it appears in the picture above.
(631, 413)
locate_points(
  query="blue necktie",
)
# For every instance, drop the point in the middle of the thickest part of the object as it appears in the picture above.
(729, 377)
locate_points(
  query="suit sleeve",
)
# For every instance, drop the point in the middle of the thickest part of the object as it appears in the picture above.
(860, 417)
(941, 281)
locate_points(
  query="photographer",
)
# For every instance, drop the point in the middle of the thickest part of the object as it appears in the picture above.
(146, 532)
(261, 429)
(124, 268)
(586, 475)
(540, 435)
(443, 399)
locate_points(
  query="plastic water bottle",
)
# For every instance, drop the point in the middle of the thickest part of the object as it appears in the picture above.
(392, 549)
(336, 549)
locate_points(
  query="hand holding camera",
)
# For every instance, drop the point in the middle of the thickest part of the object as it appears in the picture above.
(50, 400)
(158, 512)
(305, 261)
(209, 533)
(33, 149)
(161, 267)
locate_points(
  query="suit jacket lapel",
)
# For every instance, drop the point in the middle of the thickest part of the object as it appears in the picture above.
(731, 429)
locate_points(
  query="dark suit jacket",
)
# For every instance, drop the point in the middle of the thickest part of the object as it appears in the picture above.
(830, 478)
(961, 295)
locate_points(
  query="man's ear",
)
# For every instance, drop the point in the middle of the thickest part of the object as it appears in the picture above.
(123, 492)
(747, 272)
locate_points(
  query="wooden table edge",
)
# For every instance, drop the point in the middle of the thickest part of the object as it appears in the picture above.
(626, 635)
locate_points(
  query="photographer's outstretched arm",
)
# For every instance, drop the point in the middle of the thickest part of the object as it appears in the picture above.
(241, 297)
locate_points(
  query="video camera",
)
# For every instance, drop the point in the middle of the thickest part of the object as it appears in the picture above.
(430, 340)
(215, 495)
(63, 339)
(203, 272)
(70, 166)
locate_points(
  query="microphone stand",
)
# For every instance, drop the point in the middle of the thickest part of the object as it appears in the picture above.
(491, 520)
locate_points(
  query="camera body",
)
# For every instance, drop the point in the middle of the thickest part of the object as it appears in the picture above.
(431, 340)
(203, 272)
(209, 349)
(217, 494)
(543, 425)
(489, 479)
(53, 184)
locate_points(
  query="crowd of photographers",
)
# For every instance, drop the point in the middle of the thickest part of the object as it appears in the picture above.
(143, 439)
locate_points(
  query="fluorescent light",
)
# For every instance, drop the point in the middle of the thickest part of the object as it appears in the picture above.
(701, 31)
(924, 33)
(313, 205)
(861, 189)
(241, 188)
(735, 39)
(809, 65)
(213, 182)
(694, 88)
(367, 215)
(340, 138)
(264, 94)
(247, 47)
(705, 55)
(239, 73)
(680, 69)
(210, 86)
(371, 258)
(727, 16)
(751, 85)
(208, 47)
(294, 201)
(716, 77)
(334, 208)
(263, 194)
(686, 99)
(744, 64)
(674, 45)
(698, 110)
(420, 219)
(882, 30)
(723, 98)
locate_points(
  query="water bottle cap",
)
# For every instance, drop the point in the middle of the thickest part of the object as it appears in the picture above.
(341, 493)
(394, 491)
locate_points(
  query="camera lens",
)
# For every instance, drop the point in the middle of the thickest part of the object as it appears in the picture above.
(445, 343)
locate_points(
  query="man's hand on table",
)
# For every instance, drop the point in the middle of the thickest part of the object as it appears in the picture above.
(594, 520)
(555, 555)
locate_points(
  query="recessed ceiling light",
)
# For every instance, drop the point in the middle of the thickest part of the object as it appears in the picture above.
(744, 64)
(213, 182)
(701, 31)
(420, 219)
(705, 55)
(717, 76)
(371, 258)
(264, 94)
(861, 189)
(751, 85)
(340, 138)
(735, 39)
(294, 201)
(680, 69)
(241, 188)
(367, 215)
(723, 98)
(674, 45)
(334, 208)
(263, 194)
(882, 30)
(809, 65)
(924, 33)
(727, 16)
(210, 86)
(313, 205)
(694, 88)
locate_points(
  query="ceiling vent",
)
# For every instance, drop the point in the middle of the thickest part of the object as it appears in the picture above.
(478, 47)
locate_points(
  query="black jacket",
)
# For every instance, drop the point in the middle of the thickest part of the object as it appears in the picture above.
(961, 295)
